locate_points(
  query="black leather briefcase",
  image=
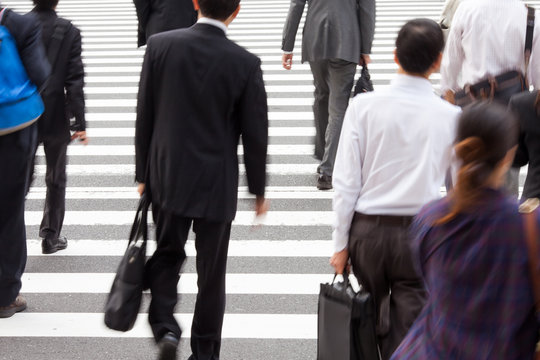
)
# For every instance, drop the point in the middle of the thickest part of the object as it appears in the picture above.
(346, 323)
(124, 299)
(363, 84)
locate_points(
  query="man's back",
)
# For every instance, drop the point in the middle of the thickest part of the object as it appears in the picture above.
(206, 91)
(332, 29)
(64, 94)
(487, 37)
(404, 136)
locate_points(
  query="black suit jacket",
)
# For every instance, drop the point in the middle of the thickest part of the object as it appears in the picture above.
(64, 94)
(26, 31)
(199, 92)
(156, 16)
(529, 141)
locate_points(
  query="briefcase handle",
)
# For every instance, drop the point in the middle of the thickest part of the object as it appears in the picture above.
(140, 225)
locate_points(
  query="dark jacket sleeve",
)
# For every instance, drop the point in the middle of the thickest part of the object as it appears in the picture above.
(522, 153)
(253, 114)
(291, 24)
(74, 83)
(366, 19)
(142, 8)
(144, 124)
(26, 31)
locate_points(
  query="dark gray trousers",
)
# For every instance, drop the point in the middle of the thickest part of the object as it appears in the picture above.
(382, 263)
(55, 179)
(333, 80)
(16, 151)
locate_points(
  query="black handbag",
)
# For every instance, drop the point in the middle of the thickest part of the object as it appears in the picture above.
(346, 323)
(363, 84)
(124, 299)
(502, 87)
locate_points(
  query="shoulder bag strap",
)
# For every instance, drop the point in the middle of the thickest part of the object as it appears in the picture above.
(2, 15)
(529, 38)
(60, 29)
(531, 231)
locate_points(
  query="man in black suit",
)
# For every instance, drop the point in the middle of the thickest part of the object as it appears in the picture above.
(198, 93)
(64, 98)
(156, 16)
(16, 149)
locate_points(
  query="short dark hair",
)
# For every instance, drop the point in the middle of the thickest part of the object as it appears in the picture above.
(418, 45)
(218, 9)
(45, 4)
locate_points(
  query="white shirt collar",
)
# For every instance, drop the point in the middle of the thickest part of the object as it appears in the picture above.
(412, 82)
(214, 22)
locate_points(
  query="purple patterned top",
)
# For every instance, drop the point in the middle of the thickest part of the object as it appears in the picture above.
(481, 303)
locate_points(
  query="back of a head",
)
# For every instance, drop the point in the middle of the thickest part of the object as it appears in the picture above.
(485, 134)
(418, 45)
(218, 9)
(45, 4)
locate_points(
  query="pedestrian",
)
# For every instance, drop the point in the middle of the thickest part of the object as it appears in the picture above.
(527, 107)
(199, 93)
(471, 250)
(487, 38)
(16, 149)
(156, 16)
(64, 99)
(394, 152)
(337, 36)
(447, 14)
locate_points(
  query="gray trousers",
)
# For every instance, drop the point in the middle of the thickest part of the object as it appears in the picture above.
(333, 80)
(382, 262)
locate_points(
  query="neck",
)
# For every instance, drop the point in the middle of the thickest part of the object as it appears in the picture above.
(403, 72)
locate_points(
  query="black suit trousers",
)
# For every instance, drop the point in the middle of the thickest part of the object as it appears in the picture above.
(381, 259)
(16, 150)
(162, 275)
(55, 179)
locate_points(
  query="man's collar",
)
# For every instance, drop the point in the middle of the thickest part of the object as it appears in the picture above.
(411, 81)
(214, 22)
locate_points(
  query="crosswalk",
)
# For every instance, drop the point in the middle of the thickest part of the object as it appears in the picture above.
(274, 269)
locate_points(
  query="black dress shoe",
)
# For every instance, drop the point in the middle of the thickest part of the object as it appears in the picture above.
(52, 245)
(324, 182)
(167, 346)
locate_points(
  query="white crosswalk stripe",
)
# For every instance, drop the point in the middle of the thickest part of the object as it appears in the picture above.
(274, 269)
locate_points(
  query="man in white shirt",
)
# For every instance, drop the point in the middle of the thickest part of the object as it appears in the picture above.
(394, 151)
(487, 38)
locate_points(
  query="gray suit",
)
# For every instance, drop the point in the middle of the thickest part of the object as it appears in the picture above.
(335, 34)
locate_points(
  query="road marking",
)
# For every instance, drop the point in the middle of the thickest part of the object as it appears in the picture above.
(235, 326)
(245, 218)
(100, 283)
(129, 169)
(129, 150)
(237, 248)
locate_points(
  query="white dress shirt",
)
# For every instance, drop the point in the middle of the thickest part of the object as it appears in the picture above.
(394, 151)
(487, 37)
(216, 23)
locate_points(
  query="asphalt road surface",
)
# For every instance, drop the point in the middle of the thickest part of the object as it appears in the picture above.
(274, 269)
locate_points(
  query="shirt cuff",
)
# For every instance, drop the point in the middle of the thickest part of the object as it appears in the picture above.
(340, 241)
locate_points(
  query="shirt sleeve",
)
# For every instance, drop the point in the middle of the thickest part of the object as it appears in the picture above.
(347, 175)
(534, 64)
(454, 55)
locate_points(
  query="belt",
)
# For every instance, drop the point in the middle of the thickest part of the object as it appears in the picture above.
(385, 219)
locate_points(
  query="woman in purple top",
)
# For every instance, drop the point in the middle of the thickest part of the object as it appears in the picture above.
(471, 250)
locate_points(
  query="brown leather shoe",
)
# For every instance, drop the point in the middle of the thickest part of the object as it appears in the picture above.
(16, 306)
